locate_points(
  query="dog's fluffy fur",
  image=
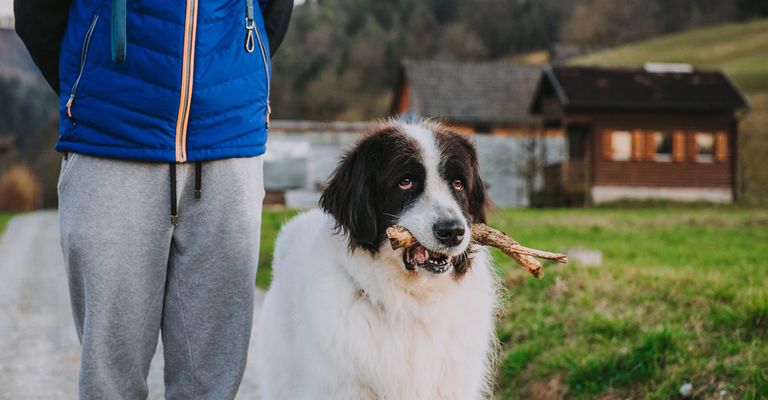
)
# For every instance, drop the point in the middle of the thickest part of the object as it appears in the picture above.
(347, 317)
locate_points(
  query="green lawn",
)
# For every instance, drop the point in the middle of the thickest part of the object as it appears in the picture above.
(682, 297)
(4, 218)
(271, 222)
(741, 49)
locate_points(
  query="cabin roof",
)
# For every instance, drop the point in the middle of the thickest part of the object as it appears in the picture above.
(633, 89)
(470, 92)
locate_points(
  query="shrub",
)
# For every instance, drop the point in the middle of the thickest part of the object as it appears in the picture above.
(19, 190)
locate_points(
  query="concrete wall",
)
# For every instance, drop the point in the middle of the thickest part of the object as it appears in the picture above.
(301, 155)
(606, 194)
(502, 157)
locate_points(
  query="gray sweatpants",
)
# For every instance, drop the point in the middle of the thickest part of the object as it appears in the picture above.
(132, 274)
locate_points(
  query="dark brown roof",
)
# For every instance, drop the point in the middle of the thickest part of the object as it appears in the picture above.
(470, 92)
(593, 88)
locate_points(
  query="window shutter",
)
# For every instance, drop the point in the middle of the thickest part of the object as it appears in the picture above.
(607, 148)
(691, 150)
(678, 146)
(721, 146)
(650, 147)
(637, 144)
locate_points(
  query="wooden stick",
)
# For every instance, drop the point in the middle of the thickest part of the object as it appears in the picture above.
(484, 235)
(400, 237)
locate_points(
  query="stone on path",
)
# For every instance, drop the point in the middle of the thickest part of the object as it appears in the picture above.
(584, 257)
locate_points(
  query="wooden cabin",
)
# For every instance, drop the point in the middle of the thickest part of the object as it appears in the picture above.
(645, 133)
(482, 98)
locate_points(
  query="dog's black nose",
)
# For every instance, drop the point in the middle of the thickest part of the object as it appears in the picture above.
(449, 233)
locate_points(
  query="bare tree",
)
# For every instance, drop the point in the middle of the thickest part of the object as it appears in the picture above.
(530, 163)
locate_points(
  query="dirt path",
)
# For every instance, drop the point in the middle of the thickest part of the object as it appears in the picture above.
(39, 352)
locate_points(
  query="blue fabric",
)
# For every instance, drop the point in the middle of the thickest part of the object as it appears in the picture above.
(129, 110)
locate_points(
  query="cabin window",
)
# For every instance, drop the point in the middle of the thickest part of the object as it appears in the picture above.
(576, 147)
(577, 141)
(662, 144)
(621, 146)
(705, 146)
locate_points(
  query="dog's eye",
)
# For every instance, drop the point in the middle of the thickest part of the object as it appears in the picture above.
(406, 184)
(458, 185)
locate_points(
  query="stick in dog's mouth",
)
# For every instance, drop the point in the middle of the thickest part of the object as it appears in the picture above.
(484, 235)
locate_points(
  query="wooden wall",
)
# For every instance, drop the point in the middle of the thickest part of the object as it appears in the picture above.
(682, 171)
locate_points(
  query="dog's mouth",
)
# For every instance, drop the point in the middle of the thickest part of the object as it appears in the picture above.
(418, 256)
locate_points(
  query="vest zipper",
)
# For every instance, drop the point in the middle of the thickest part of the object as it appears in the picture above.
(83, 58)
(266, 73)
(187, 77)
(251, 28)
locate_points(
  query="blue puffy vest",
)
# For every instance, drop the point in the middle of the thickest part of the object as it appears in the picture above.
(189, 80)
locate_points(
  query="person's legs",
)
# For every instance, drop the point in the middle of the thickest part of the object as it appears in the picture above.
(116, 238)
(208, 310)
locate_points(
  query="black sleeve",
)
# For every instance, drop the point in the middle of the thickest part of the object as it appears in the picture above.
(277, 14)
(40, 24)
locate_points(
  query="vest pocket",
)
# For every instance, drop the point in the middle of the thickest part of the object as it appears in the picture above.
(83, 59)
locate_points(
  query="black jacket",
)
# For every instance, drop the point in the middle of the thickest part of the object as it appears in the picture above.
(41, 23)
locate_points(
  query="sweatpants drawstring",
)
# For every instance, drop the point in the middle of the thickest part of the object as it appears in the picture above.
(198, 189)
(174, 212)
(198, 180)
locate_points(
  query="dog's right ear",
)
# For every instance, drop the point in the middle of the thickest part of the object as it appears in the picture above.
(350, 196)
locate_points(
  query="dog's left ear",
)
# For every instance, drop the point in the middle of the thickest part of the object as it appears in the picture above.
(478, 199)
(477, 196)
(350, 196)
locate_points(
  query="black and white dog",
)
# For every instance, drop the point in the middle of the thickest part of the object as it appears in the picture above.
(347, 317)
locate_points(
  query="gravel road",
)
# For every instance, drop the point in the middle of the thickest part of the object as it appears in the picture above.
(39, 351)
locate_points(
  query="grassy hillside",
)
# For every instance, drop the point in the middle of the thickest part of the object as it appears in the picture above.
(741, 49)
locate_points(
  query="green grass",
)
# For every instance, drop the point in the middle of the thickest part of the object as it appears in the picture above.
(682, 296)
(271, 222)
(4, 219)
(741, 49)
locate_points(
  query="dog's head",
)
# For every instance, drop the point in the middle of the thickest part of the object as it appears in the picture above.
(423, 177)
